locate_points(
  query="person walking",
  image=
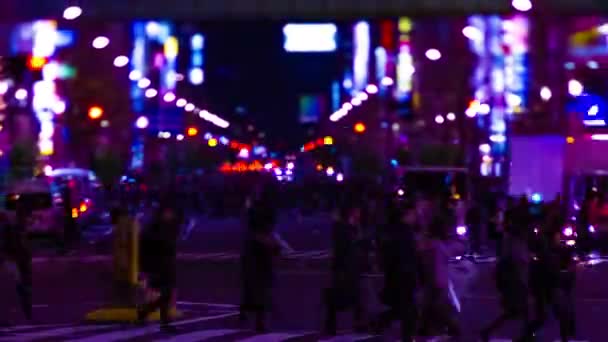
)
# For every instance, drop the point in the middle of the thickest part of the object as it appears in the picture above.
(158, 261)
(257, 259)
(512, 280)
(18, 256)
(439, 313)
(553, 287)
(345, 291)
(398, 255)
(69, 221)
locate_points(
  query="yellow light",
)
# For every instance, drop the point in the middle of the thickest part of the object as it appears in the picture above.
(46, 147)
(570, 140)
(192, 131)
(359, 128)
(83, 208)
(486, 159)
(36, 63)
(212, 142)
(405, 25)
(95, 112)
(328, 140)
(74, 213)
(171, 47)
(319, 167)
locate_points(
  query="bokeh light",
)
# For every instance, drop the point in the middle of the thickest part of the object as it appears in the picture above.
(433, 54)
(150, 93)
(72, 12)
(101, 42)
(142, 122)
(121, 61)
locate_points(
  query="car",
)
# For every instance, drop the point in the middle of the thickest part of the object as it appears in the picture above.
(46, 215)
(88, 204)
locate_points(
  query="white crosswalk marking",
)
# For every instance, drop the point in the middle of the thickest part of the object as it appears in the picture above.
(134, 333)
(45, 334)
(18, 328)
(201, 335)
(275, 337)
(348, 337)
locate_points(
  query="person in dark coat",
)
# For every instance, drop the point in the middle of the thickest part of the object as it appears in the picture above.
(17, 252)
(553, 287)
(346, 270)
(70, 227)
(259, 250)
(398, 255)
(158, 261)
(512, 280)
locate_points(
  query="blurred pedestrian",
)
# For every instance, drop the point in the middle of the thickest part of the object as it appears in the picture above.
(512, 280)
(398, 255)
(553, 286)
(70, 227)
(158, 260)
(18, 256)
(345, 291)
(257, 259)
(439, 309)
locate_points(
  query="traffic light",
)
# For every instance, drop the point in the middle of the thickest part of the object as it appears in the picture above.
(192, 131)
(95, 112)
(359, 127)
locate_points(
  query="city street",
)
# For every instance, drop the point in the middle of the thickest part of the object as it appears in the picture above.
(66, 288)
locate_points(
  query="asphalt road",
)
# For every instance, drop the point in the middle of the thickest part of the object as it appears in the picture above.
(66, 288)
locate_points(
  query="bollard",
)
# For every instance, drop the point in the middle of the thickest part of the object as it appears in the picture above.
(125, 273)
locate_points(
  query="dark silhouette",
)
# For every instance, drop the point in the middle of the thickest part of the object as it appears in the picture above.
(398, 255)
(511, 280)
(346, 269)
(18, 252)
(260, 248)
(158, 260)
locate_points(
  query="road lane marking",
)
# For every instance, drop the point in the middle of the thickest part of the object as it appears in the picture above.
(139, 332)
(275, 337)
(52, 333)
(201, 335)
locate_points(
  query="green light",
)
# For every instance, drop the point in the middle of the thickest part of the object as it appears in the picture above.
(66, 72)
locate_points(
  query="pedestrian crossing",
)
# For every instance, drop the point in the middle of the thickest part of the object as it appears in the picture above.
(231, 256)
(212, 257)
(187, 332)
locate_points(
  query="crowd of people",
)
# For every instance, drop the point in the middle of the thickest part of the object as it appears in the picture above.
(414, 239)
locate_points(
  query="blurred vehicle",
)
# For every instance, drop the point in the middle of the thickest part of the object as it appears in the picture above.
(88, 203)
(37, 195)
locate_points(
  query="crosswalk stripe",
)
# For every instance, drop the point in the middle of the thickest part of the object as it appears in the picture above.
(45, 334)
(275, 337)
(134, 333)
(348, 337)
(18, 328)
(201, 335)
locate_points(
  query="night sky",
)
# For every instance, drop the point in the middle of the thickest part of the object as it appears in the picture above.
(247, 66)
